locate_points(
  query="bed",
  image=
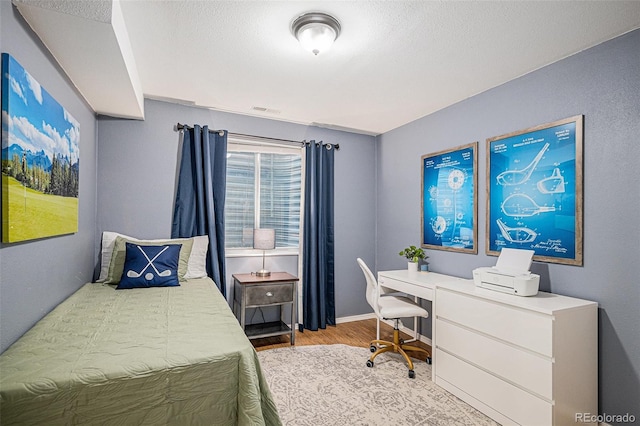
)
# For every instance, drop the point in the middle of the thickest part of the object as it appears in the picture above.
(157, 356)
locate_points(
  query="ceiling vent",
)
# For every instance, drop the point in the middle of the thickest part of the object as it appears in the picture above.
(265, 110)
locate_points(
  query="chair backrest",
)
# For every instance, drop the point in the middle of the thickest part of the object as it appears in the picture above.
(373, 291)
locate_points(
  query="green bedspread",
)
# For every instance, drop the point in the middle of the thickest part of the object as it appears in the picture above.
(155, 356)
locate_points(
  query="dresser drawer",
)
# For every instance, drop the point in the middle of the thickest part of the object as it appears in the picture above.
(269, 294)
(528, 329)
(512, 402)
(523, 368)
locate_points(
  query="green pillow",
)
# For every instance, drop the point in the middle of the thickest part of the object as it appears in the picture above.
(116, 267)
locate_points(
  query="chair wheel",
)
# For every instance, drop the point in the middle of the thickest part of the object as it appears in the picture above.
(412, 374)
(429, 360)
(369, 363)
(373, 348)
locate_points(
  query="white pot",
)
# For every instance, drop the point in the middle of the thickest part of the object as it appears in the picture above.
(413, 266)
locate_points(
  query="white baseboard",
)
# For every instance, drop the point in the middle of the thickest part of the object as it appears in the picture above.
(355, 318)
(404, 329)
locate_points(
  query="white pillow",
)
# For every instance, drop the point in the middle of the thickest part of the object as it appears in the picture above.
(108, 241)
(197, 267)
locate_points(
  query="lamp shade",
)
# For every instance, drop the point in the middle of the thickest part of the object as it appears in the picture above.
(264, 239)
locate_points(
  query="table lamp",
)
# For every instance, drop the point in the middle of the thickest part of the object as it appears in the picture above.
(264, 239)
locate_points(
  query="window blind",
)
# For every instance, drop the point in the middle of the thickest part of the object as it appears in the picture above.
(263, 191)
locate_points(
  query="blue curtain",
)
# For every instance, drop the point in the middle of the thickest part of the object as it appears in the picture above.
(200, 196)
(318, 280)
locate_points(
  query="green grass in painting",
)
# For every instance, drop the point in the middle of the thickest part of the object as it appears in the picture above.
(29, 214)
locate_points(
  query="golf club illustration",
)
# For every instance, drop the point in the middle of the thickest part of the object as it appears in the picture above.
(516, 177)
(518, 234)
(149, 276)
(521, 205)
(456, 181)
(553, 184)
(439, 225)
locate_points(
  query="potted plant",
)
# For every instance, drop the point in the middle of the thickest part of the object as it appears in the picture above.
(414, 255)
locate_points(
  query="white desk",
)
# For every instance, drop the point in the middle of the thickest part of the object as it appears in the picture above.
(414, 283)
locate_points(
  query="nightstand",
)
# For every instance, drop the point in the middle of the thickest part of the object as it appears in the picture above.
(251, 291)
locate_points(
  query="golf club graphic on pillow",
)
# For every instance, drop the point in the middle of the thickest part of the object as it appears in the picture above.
(149, 275)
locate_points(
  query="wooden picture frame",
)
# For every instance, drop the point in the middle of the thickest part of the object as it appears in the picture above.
(449, 208)
(534, 191)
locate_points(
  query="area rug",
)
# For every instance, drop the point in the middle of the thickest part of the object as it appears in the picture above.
(331, 385)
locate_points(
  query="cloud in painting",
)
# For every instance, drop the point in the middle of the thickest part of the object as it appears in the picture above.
(29, 137)
(17, 89)
(9, 127)
(69, 118)
(63, 145)
(35, 87)
(73, 136)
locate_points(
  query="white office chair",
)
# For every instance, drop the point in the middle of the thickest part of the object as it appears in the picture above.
(391, 307)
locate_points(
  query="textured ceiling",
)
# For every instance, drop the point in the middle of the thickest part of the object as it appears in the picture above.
(394, 62)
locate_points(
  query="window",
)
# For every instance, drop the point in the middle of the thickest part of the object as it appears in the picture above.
(264, 185)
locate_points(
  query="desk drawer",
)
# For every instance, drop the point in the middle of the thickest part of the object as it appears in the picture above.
(392, 285)
(528, 329)
(269, 294)
(530, 371)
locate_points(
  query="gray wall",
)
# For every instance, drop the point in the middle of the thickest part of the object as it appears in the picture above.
(35, 276)
(603, 84)
(137, 166)
(127, 184)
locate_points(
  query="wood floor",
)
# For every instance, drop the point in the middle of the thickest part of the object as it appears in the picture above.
(355, 333)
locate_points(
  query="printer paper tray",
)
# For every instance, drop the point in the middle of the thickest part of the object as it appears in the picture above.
(496, 287)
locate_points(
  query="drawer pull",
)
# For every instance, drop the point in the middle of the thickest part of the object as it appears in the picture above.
(269, 294)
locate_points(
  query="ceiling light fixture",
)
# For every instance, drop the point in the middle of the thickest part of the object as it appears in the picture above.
(316, 31)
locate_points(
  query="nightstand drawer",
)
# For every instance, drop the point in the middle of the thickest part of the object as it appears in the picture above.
(269, 294)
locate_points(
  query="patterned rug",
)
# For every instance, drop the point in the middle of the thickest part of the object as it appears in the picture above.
(331, 385)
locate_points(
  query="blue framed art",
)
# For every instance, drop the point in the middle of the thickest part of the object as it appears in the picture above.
(450, 200)
(534, 191)
(40, 159)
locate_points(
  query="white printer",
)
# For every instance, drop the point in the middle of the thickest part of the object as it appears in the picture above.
(510, 275)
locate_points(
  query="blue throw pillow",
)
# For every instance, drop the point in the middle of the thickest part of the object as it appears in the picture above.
(150, 266)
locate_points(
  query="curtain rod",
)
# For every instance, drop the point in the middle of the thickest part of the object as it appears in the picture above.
(185, 126)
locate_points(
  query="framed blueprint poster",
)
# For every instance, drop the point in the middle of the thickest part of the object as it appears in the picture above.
(450, 200)
(534, 191)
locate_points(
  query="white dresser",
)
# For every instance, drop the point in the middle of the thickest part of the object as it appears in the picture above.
(520, 360)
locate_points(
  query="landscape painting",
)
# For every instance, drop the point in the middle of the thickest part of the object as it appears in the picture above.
(40, 159)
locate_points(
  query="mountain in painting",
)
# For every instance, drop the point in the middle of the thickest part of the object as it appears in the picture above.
(34, 159)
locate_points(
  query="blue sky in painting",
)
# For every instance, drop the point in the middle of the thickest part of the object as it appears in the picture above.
(35, 120)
